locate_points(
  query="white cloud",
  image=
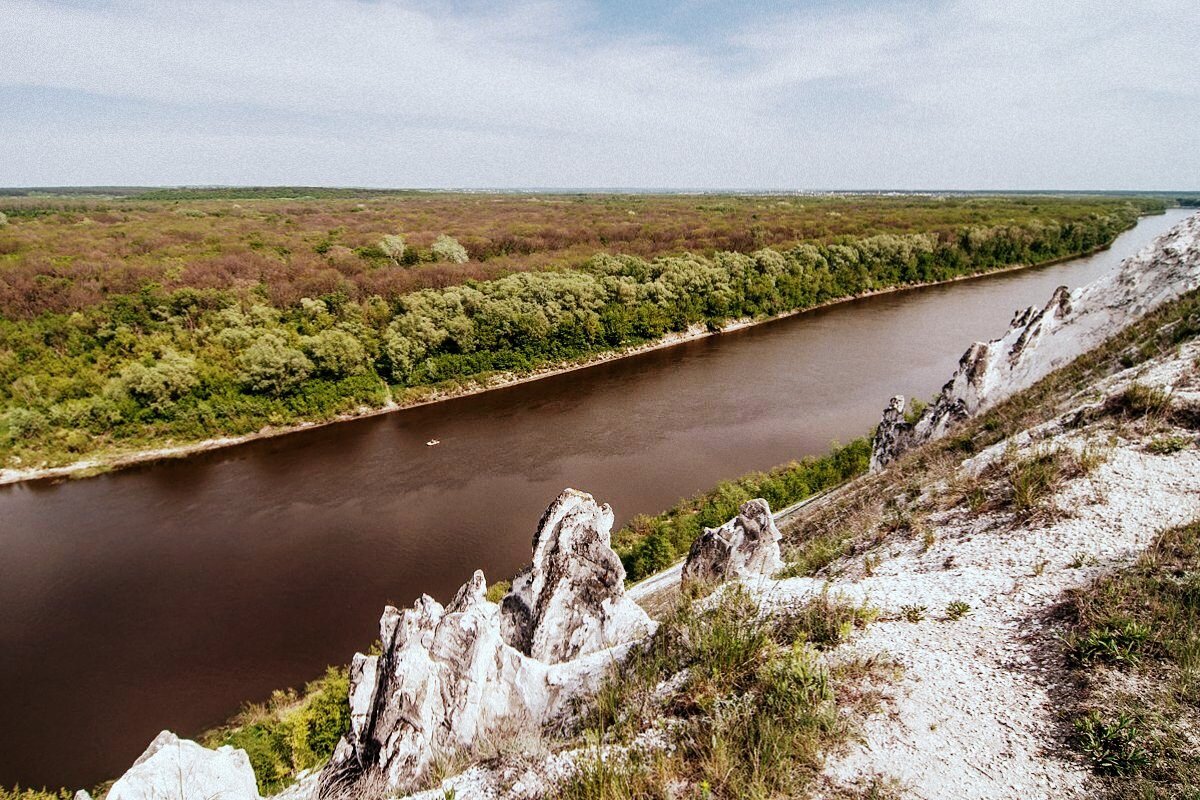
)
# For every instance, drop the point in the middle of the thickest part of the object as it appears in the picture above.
(963, 93)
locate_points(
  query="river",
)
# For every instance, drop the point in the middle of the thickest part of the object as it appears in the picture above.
(164, 595)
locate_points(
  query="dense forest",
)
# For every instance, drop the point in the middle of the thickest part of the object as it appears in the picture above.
(111, 340)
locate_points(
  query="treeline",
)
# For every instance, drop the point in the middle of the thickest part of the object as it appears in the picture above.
(649, 544)
(195, 363)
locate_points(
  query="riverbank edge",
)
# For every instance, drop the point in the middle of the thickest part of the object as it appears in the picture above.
(121, 459)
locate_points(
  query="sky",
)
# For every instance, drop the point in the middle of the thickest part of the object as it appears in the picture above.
(685, 94)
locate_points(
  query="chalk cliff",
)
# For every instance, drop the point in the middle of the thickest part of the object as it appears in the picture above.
(1041, 340)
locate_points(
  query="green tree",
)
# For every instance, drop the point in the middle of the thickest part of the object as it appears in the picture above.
(157, 386)
(393, 246)
(271, 366)
(335, 353)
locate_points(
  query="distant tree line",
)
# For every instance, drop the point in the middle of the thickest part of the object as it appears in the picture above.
(194, 363)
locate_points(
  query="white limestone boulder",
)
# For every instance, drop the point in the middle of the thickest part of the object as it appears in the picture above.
(746, 546)
(179, 769)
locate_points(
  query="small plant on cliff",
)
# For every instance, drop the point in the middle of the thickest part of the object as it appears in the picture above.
(957, 610)
(1114, 642)
(1140, 400)
(1167, 445)
(1113, 745)
(497, 590)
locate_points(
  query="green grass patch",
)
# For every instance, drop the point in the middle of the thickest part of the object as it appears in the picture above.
(1137, 719)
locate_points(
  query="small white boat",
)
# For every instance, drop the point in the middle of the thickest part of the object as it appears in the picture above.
(432, 442)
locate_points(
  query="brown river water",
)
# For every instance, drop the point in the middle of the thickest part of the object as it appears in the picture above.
(165, 595)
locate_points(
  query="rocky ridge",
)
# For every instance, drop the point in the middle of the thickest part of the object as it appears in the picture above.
(1040, 340)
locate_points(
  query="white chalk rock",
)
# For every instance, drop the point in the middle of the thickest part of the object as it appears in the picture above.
(179, 769)
(746, 546)
(1040, 341)
(570, 601)
(447, 680)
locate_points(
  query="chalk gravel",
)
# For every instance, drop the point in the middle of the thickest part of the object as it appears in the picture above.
(973, 713)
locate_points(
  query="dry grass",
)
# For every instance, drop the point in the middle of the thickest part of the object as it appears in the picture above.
(749, 704)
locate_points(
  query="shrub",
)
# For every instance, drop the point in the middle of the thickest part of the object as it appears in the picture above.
(447, 248)
(1167, 445)
(17, 793)
(3, 219)
(23, 423)
(648, 544)
(393, 246)
(271, 366)
(293, 732)
(497, 590)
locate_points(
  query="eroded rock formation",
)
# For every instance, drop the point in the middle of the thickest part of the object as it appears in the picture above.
(570, 600)
(746, 546)
(452, 679)
(180, 769)
(1040, 341)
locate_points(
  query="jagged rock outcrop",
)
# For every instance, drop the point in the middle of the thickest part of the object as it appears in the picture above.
(570, 600)
(180, 769)
(746, 546)
(451, 679)
(1040, 341)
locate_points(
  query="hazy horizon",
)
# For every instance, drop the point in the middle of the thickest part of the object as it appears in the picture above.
(649, 190)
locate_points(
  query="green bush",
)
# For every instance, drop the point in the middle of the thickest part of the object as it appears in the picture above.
(292, 732)
(447, 248)
(158, 385)
(648, 544)
(335, 353)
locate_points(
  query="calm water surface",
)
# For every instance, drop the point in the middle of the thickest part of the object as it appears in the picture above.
(165, 595)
